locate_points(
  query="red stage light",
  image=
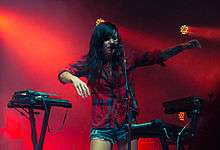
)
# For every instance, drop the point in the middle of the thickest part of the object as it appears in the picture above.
(211, 33)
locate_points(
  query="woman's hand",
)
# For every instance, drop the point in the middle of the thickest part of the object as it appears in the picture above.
(81, 87)
(192, 44)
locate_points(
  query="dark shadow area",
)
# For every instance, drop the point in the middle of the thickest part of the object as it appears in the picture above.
(209, 132)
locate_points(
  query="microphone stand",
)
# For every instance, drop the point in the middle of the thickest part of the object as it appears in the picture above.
(129, 106)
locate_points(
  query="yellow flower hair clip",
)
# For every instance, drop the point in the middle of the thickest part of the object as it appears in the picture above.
(98, 21)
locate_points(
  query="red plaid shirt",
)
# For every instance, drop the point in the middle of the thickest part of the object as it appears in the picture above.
(109, 106)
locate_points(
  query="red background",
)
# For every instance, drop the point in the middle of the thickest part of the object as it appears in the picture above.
(39, 38)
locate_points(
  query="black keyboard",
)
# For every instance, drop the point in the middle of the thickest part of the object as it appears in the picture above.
(37, 100)
(183, 105)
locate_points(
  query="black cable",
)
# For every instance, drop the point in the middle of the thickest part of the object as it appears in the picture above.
(179, 135)
(59, 128)
(64, 119)
(22, 113)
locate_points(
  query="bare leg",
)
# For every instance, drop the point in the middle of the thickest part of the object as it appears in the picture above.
(124, 145)
(100, 144)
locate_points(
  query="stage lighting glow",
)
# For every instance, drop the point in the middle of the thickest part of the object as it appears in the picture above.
(184, 29)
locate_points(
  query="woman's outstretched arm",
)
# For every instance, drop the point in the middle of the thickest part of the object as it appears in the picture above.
(170, 52)
(159, 57)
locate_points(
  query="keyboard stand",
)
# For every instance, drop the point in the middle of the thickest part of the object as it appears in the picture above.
(163, 142)
(30, 100)
(38, 145)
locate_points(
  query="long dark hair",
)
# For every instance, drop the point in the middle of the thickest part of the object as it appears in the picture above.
(93, 62)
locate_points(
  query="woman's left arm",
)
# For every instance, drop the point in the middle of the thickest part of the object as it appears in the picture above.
(159, 57)
(170, 52)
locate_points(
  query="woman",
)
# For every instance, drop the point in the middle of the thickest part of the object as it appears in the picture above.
(103, 68)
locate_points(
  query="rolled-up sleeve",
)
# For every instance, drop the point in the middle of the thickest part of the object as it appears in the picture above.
(69, 69)
(76, 69)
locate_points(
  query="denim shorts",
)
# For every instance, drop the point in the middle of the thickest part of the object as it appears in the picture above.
(113, 135)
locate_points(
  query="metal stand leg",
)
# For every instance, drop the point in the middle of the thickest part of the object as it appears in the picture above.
(44, 128)
(164, 143)
(36, 145)
(33, 128)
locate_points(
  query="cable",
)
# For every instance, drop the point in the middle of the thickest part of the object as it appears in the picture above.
(59, 128)
(178, 141)
(22, 113)
(166, 133)
(64, 119)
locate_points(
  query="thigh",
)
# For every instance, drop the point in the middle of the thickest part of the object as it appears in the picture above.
(100, 144)
(124, 145)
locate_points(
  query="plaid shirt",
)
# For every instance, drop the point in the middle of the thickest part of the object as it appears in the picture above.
(109, 106)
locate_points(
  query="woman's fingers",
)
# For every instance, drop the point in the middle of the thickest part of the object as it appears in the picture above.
(78, 88)
(86, 90)
(82, 90)
(195, 43)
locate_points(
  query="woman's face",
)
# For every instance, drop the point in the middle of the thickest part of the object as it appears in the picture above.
(110, 45)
